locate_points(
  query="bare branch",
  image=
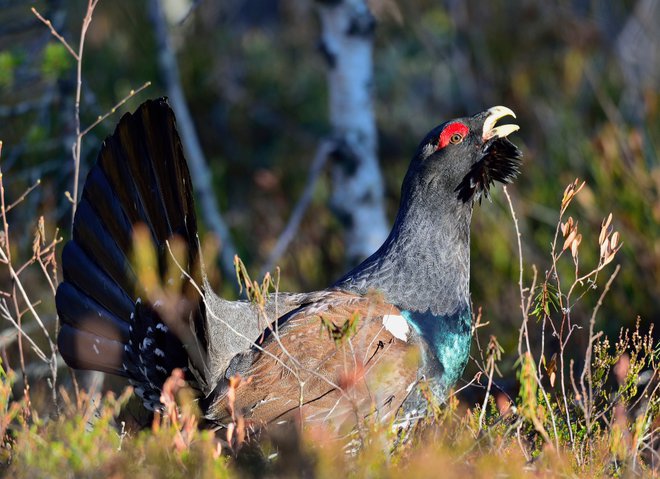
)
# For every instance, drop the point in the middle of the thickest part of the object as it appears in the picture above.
(287, 235)
(199, 170)
(22, 197)
(91, 5)
(586, 371)
(525, 317)
(4, 312)
(112, 110)
(10, 335)
(49, 24)
(524, 330)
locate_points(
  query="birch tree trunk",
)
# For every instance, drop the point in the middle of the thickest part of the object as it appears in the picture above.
(357, 198)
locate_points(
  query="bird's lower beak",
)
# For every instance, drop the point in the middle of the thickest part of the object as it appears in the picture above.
(494, 114)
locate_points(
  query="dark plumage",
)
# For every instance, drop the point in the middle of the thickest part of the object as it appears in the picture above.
(353, 350)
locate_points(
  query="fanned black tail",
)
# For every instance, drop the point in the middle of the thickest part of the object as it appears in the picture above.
(108, 324)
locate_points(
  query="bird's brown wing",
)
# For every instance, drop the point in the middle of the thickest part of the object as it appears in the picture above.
(337, 361)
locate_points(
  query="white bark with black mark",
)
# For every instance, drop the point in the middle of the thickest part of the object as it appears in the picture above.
(357, 199)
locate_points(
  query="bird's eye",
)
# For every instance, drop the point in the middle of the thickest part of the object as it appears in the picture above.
(456, 138)
(454, 133)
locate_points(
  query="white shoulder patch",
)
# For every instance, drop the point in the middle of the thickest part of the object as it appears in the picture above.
(397, 325)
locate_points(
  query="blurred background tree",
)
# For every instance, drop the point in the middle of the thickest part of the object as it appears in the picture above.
(582, 76)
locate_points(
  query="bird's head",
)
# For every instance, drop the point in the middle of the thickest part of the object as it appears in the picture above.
(466, 156)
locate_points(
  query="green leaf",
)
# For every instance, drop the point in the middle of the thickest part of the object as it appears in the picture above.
(8, 64)
(56, 61)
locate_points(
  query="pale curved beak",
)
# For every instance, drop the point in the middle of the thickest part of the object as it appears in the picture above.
(494, 114)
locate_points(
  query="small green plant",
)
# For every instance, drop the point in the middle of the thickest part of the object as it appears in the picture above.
(596, 405)
(8, 62)
(56, 61)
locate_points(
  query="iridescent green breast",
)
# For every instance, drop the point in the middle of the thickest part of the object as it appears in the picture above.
(448, 337)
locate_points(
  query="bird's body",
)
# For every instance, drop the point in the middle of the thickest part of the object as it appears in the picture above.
(354, 350)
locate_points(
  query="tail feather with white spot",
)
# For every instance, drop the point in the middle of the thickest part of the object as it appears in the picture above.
(140, 176)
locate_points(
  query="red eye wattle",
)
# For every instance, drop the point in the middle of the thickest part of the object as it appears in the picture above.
(452, 133)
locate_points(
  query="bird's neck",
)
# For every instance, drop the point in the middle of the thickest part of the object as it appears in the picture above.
(424, 265)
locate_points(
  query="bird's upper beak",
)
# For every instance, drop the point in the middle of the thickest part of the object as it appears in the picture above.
(492, 115)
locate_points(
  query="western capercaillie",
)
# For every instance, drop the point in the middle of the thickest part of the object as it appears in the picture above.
(355, 349)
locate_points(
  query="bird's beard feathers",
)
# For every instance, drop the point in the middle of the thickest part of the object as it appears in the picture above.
(500, 162)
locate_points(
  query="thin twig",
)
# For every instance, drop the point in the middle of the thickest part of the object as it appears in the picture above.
(51, 281)
(525, 318)
(484, 406)
(114, 109)
(91, 5)
(563, 388)
(3, 213)
(475, 379)
(26, 298)
(5, 257)
(49, 24)
(524, 332)
(10, 335)
(199, 170)
(4, 311)
(287, 235)
(22, 197)
(586, 371)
